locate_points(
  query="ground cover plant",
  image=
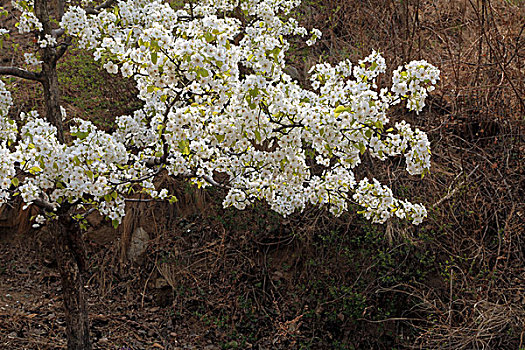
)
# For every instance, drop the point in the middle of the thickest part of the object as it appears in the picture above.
(356, 302)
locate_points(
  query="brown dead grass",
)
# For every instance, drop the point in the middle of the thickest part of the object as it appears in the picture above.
(475, 120)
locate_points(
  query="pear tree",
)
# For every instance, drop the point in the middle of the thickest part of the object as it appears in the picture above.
(219, 109)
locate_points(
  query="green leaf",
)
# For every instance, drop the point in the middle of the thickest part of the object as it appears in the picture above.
(154, 45)
(129, 36)
(154, 57)
(15, 181)
(34, 170)
(362, 148)
(114, 222)
(209, 37)
(81, 134)
(258, 135)
(203, 72)
(220, 137)
(340, 109)
(184, 147)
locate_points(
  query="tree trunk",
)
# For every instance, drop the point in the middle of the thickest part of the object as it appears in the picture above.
(52, 97)
(69, 250)
(69, 247)
(49, 76)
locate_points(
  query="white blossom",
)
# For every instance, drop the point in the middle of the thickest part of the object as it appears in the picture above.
(270, 138)
(31, 60)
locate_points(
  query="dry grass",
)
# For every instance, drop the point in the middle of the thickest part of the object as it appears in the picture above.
(476, 190)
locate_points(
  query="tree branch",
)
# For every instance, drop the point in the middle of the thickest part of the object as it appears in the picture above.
(62, 48)
(43, 205)
(20, 73)
(212, 182)
(58, 32)
(95, 10)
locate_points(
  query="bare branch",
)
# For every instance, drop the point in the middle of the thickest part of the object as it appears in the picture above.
(58, 32)
(212, 182)
(20, 73)
(62, 48)
(43, 205)
(450, 192)
(95, 10)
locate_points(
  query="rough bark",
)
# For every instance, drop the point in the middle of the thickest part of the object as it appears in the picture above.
(69, 247)
(49, 74)
(52, 97)
(69, 250)
(20, 73)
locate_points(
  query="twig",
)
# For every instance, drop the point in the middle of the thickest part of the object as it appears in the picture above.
(95, 10)
(453, 192)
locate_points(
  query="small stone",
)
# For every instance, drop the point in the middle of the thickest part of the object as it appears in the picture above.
(138, 244)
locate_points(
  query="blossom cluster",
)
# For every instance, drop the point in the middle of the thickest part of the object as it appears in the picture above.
(83, 172)
(217, 100)
(27, 21)
(414, 81)
(7, 135)
(31, 59)
(46, 41)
